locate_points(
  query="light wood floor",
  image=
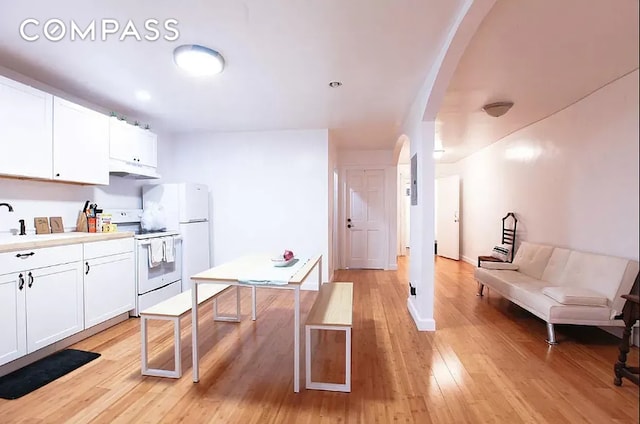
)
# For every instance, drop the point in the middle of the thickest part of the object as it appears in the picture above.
(487, 362)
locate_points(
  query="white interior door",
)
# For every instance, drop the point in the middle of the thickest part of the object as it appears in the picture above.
(448, 216)
(366, 232)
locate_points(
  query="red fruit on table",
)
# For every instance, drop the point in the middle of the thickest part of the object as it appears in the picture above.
(288, 255)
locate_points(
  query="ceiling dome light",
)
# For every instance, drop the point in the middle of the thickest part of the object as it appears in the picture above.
(335, 84)
(497, 109)
(437, 154)
(198, 60)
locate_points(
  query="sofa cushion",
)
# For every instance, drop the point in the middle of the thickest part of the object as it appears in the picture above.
(532, 259)
(504, 281)
(575, 296)
(555, 266)
(599, 273)
(501, 252)
(498, 265)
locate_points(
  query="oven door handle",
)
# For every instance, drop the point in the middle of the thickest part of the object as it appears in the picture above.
(148, 242)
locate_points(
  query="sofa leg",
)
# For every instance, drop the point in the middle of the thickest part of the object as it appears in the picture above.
(480, 289)
(551, 334)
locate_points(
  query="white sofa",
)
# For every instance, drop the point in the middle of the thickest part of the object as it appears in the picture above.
(562, 286)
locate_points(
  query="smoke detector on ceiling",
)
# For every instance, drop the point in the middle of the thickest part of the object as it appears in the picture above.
(497, 109)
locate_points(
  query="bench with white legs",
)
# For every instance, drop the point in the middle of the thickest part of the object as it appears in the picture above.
(173, 309)
(332, 310)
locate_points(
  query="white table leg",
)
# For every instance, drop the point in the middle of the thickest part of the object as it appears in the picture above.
(253, 305)
(194, 330)
(296, 341)
(143, 326)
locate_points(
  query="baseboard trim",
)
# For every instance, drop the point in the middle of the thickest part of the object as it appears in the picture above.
(470, 260)
(423, 324)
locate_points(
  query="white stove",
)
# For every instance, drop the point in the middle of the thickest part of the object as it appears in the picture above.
(157, 282)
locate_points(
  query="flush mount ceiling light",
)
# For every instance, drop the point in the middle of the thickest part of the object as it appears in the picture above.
(335, 84)
(437, 154)
(198, 60)
(497, 109)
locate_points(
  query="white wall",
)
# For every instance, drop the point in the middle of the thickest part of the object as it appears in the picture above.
(421, 137)
(269, 189)
(332, 259)
(571, 179)
(403, 206)
(38, 198)
(422, 229)
(375, 159)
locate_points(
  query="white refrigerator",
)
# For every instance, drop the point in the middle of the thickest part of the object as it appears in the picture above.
(186, 208)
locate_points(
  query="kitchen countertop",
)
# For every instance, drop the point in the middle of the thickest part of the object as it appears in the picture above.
(10, 243)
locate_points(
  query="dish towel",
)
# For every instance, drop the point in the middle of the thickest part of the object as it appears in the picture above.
(155, 252)
(169, 250)
(271, 275)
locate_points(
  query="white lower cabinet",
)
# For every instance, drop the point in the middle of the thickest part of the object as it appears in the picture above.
(54, 302)
(13, 340)
(41, 299)
(109, 287)
(51, 293)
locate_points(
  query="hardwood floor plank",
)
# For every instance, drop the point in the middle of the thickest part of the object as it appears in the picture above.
(486, 363)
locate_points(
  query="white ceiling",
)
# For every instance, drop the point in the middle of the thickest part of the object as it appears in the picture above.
(543, 55)
(280, 54)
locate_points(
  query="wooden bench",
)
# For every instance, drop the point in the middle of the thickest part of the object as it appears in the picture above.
(332, 310)
(173, 309)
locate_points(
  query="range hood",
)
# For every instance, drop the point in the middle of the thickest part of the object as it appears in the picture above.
(129, 170)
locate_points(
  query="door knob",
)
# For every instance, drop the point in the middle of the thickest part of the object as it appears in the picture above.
(348, 219)
(349, 226)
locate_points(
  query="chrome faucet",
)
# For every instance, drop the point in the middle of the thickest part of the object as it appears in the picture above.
(8, 206)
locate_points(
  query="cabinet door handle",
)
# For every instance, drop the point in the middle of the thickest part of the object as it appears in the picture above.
(30, 283)
(25, 255)
(88, 268)
(20, 282)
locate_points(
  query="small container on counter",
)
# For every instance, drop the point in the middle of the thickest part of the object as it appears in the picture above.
(92, 224)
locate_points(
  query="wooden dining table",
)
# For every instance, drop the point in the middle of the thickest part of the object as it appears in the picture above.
(256, 271)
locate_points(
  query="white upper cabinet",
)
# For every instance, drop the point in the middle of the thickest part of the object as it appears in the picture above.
(132, 144)
(148, 148)
(120, 140)
(25, 130)
(80, 144)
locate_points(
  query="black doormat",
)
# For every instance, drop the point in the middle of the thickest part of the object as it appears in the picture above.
(42, 372)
